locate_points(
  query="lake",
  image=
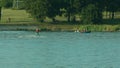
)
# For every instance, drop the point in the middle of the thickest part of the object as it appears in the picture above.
(26, 49)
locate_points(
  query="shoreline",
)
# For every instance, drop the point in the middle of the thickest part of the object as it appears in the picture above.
(59, 28)
(17, 28)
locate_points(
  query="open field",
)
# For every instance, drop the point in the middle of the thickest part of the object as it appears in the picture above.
(15, 16)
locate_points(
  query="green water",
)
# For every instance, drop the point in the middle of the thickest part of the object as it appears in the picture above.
(20, 49)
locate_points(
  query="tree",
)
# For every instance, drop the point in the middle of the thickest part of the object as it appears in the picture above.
(38, 8)
(18, 4)
(54, 8)
(0, 12)
(70, 9)
(0, 9)
(89, 10)
(90, 14)
(44, 8)
(7, 3)
(112, 6)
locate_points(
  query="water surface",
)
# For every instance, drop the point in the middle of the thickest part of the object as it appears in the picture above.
(22, 49)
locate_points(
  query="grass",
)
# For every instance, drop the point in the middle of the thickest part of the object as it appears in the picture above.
(99, 28)
(16, 16)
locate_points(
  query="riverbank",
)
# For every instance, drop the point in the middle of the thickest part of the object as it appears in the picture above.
(59, 28)
(71, 28)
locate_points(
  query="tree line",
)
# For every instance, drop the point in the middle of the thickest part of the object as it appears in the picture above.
(90, 11)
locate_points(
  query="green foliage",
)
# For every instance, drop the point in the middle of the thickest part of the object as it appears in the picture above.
(112, 6)
(53, 8)
(89, 10)
(38, 8)
(91, 14)
(7, 3)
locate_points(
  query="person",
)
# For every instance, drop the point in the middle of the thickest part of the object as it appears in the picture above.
(77, 30)
(37, 30)
(9, 20)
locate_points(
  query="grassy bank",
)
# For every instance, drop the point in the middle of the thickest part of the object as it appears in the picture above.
(100, 28)
(71, 28)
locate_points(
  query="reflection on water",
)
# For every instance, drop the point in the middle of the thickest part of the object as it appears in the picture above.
(20, 49)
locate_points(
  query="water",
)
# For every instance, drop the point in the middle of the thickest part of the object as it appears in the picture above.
(20, 49)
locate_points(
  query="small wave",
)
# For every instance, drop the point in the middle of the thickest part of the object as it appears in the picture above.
(31, 36)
